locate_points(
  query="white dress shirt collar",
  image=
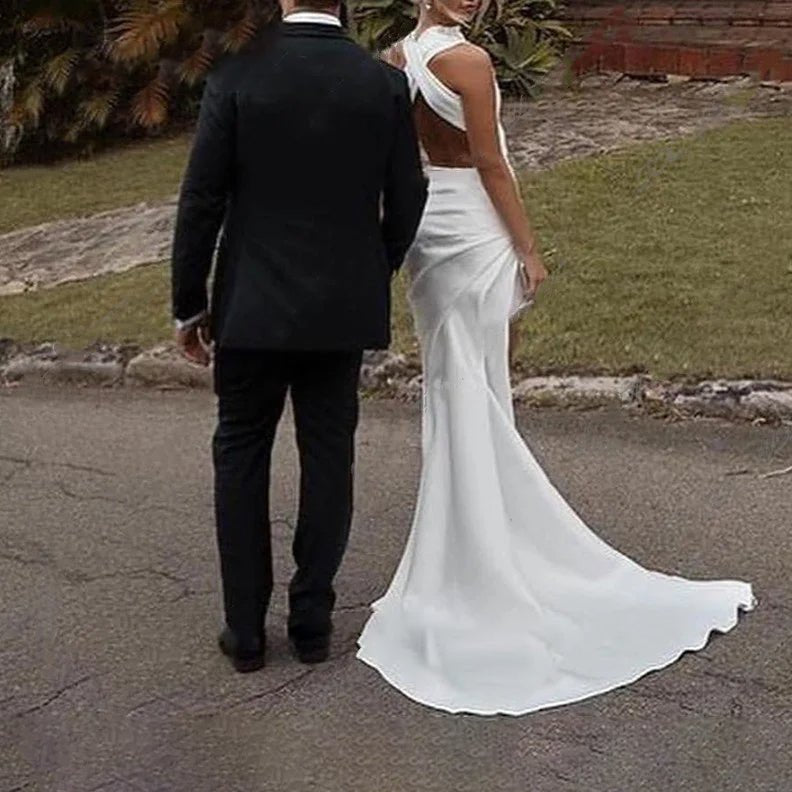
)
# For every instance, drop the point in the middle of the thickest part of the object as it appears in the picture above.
(313, 17)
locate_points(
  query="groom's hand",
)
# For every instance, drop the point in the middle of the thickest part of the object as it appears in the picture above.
(193, 344)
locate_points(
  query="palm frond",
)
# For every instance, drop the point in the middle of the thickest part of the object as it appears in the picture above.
(96, 110)
(484, 7)
(376, 24)
(554, 27)
(30, 103)
(141, 32)
(57, 70)
(240, 34)
(46, 21)
(523, 59)
(373, 29)
(46, 17)
(195, 66)
(72, 133)
(150, 104)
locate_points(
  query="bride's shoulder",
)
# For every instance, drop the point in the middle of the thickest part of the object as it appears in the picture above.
(463, 66)
(394, 55)
(466, 54)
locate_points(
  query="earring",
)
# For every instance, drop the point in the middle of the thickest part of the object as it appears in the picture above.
(428, 6)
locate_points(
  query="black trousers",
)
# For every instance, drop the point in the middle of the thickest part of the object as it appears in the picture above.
(251, 386)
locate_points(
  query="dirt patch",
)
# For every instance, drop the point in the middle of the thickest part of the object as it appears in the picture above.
(609, 112)
(80, 248)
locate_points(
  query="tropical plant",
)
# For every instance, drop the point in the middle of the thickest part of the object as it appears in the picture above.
(86, 67)
(523, 37)
(73, 72)
(376, 24)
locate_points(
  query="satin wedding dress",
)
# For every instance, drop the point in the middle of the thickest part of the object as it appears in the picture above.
(504, 600)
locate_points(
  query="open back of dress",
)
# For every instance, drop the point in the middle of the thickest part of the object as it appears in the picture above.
(418, 54)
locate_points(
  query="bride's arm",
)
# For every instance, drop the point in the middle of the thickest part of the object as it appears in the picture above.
(469, 72)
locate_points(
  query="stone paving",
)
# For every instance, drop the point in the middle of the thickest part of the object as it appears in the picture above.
(609, 112)
(603, 114)
(76, 249)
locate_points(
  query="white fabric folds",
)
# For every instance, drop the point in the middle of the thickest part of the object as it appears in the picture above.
(504, 601)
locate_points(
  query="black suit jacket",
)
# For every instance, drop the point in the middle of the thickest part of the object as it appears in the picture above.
(306, 155)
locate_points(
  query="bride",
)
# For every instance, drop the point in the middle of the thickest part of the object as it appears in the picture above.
(504, 600)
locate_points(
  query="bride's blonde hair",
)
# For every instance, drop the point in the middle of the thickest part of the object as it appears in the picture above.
(454, 16)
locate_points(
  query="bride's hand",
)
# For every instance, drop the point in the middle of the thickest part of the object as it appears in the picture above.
(534, 269)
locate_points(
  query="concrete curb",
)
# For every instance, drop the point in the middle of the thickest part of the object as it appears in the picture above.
(162, 367)
(386, 374)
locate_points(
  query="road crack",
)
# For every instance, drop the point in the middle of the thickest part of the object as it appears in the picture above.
(77, 577)
(31, 461)
(58, 694)
(258, 696)
(87, 498)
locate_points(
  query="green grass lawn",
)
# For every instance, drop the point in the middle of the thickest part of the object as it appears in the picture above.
(135, 173)
(668, 258)
(131, 307)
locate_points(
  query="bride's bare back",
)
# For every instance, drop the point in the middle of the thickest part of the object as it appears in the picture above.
(444, 144)
(467, 71)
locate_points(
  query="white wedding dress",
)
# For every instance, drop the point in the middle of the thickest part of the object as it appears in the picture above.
(504, 600)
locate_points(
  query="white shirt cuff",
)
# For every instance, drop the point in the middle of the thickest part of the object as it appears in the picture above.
(186, 324)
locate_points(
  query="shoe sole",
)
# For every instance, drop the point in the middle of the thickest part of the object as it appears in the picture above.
(311, 656)
(248, 666)
(243, 666)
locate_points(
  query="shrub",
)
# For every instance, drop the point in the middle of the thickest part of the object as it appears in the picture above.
(82, 70)
(76, 72)
(522, 36)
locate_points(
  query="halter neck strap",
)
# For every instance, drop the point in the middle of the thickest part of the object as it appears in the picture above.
(419, 49)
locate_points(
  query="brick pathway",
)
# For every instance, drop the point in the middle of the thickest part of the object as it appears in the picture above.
(701, 39)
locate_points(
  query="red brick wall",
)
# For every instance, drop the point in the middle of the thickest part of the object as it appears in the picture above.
(691, 37)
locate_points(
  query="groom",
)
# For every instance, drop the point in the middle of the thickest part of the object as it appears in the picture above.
(305, 163)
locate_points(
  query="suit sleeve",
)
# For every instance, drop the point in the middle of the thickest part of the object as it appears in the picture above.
(405, 185)
(203, 199)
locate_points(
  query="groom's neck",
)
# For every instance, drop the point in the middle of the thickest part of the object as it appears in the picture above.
(291, 7)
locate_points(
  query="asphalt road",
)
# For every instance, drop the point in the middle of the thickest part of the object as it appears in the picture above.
(109, 675)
